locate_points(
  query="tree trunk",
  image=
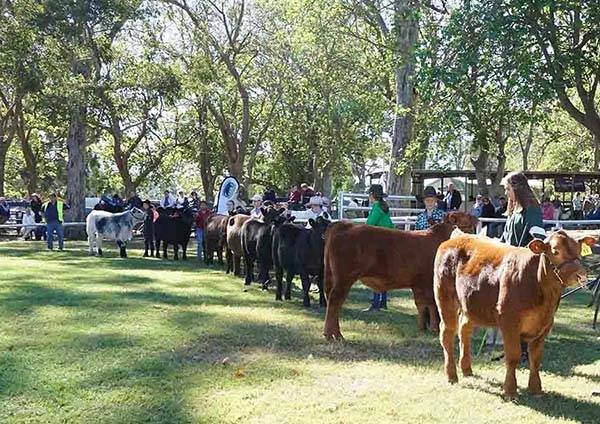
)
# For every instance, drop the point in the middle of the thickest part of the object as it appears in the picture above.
(406, 33)
(76, 169)
(481, 171)
(3, 151)
(31, 173)
(596, 138)
(7, 132)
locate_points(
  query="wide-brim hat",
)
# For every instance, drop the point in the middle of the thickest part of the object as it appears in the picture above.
(257, 198)
(429, 192)
(315, 201)
(376, 190)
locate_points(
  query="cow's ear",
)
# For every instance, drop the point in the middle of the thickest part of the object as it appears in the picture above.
(451, 218)
(590, 241)
(326, 216)
(537, 246)
(311, 222)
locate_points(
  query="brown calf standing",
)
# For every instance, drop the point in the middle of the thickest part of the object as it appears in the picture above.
(484, 283)
(384, 259)
(215, 238)
(234, 243)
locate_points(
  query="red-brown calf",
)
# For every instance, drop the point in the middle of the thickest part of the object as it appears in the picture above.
(480, 282)
(384, 259)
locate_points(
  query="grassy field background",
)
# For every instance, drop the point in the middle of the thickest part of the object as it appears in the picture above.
(85, 339)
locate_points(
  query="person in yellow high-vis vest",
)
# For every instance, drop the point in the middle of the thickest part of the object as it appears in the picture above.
(53, 215)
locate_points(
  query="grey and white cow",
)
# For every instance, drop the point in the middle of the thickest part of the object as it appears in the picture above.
(116, 226)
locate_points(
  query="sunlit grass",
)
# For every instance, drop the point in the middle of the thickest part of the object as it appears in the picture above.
(86, 339)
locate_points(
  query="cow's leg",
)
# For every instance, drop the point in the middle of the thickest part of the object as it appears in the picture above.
(335, 299)
(263, 274)
(176, 251)
(305, 288)
(465, 331)
(289, 278)
(122, 249)
(448, 329)
(322, 302)
(165, 247)
(158, 248)
(536, 353)
(99, 243)
(220, 255)
(237, 265)
(184, 251)
(91, 238)
(279, 279)
(421, 304)
(229, 261)
(512, 357)
(249, 270)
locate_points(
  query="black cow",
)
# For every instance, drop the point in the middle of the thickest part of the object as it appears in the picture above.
(299, 250)
(173, 227)
(256, 243)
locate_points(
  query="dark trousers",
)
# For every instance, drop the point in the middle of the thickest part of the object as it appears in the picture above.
(149, 245)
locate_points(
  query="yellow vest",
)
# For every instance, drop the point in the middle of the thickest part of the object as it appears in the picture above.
(59, 209)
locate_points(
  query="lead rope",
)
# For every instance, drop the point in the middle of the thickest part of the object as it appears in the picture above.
(556, 272)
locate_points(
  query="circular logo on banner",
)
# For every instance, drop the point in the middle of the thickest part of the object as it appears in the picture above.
(229, 189)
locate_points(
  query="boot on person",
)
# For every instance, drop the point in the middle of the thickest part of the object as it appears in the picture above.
(375, 303)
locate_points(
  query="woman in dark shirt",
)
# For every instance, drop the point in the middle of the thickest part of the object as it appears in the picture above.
(524, 213)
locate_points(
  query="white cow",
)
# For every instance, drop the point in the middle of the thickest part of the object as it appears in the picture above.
(115, 226)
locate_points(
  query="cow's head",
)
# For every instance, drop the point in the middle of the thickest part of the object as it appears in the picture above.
(319, 226)
(563, 254)
(138, 214)
(270, 214)
(466, 222)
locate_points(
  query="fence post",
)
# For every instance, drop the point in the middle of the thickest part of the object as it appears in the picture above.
(341, 207)
(479, 227)
(406, 226)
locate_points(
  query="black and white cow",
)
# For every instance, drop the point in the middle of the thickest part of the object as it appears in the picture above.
(115, 226)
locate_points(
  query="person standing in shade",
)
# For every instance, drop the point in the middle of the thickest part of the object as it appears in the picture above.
(431, 213)
(201, 218)
(379, 216)
(134, 201)
(577, 207)
(453, 199)
(36, 207)
(53, 214)
(524, 221)
(4, 210)
(149, 219)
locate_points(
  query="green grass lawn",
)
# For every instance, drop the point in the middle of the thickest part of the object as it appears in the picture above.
(94, 340)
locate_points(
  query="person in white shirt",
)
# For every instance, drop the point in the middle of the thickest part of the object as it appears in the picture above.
(257, 203)
(168, 201)
(28, 223)
(181, 202)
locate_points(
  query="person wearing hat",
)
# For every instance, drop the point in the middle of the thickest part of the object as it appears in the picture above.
(149, 219)
(431, 213)
(257, 203)
(379, 216)
(53, 214)
(315, 205)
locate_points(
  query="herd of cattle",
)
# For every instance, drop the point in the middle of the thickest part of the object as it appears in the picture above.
(458, 280)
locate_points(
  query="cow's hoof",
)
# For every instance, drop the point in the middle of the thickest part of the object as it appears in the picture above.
(99, 252)
(468, 372)
(265, 287)
(145, 254)
(288, 297)
(334, 337)
(247, 283)
(509, 396)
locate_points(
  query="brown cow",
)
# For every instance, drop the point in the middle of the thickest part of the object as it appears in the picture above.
(215, 238)
(234, 243)
(481, 282)
(384, 259)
